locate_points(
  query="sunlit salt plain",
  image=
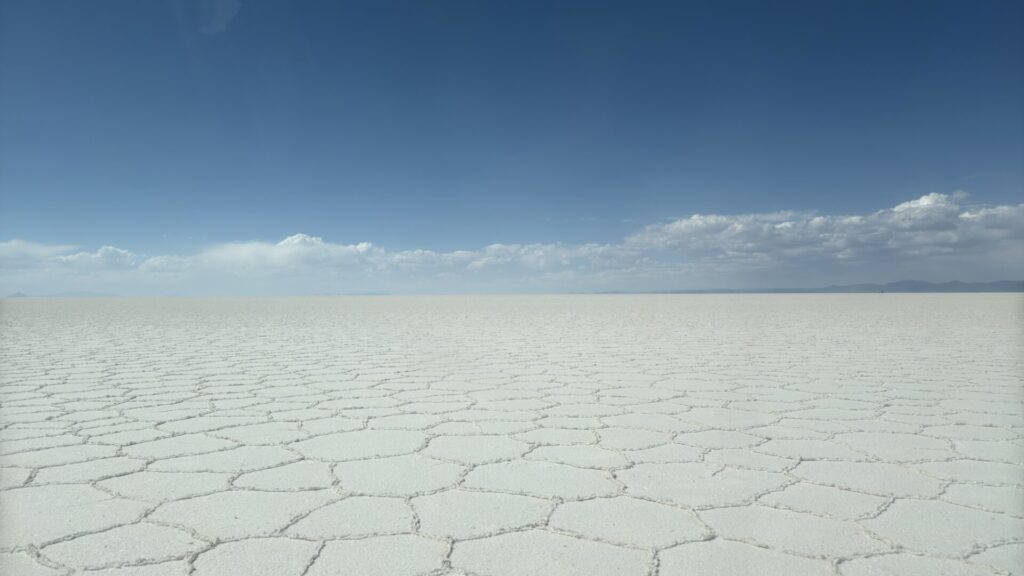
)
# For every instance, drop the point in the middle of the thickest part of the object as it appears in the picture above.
(591, 435)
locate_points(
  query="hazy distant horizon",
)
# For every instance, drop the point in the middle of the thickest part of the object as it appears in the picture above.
(902, 287)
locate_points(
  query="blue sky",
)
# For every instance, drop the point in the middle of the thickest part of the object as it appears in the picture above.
(169, 131)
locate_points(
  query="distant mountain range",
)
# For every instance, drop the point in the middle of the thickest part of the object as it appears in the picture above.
(907, 286)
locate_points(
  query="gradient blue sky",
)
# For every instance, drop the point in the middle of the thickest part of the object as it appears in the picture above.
(176, 128)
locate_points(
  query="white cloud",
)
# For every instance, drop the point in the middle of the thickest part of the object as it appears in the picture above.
(545, 257)
(932, 224)
(107, 257)
(21, 254)
(293, 252)
(933, 237)
(167, 264)
(15, 254)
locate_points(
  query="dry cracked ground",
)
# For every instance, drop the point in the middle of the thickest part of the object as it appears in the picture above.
(796, 435)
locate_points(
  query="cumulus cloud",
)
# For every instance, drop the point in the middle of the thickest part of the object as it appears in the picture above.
(936, 236)
(107, 257)
(21, 254)
(295, 251)
(543, 257)
(932, 224)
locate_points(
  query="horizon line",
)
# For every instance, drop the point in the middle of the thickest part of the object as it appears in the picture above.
(897, 287)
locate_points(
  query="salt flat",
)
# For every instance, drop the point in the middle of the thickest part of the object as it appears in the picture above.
(673, 435)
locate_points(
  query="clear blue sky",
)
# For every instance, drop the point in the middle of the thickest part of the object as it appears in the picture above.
(166, 127)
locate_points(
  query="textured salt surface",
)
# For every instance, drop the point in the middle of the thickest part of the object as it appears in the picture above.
(671, 435)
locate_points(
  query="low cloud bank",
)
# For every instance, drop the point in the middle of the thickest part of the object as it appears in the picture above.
(936, 237)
